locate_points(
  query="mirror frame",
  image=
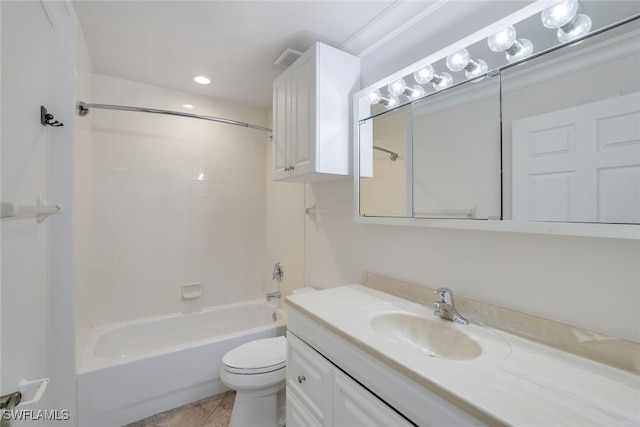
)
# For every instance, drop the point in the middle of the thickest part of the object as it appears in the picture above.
(360, 103)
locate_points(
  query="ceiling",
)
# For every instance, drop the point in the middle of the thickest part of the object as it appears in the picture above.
(234, 43)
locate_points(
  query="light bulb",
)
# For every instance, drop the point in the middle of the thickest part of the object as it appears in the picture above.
(559, 14)
(392, 102)
(414, 92)
(375, 97)
(424, 74)
(458, 60)
(521, 49)
(480, 67)
(579, 27)
(396, 88)
(442, 80)
(502, 39)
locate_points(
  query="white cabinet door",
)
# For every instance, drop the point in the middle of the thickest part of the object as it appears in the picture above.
(302, 152)
(354, 406)
(581, 164)
(281, 90)
(309, 379)
(297, 413)
(311, 115)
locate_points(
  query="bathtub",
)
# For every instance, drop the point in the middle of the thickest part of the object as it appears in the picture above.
(132, 370)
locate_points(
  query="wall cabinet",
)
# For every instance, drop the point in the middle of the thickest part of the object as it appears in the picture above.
(319, 394)
(311, 115)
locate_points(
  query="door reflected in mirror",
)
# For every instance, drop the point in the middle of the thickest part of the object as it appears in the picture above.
(572, 134)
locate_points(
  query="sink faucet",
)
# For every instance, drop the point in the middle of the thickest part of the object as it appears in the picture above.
(446, 309)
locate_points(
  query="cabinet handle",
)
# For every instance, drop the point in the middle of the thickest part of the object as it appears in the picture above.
(301, 378)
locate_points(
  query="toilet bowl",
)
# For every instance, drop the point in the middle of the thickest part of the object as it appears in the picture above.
(256, 371)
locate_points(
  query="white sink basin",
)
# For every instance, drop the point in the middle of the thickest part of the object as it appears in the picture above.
(433, 336)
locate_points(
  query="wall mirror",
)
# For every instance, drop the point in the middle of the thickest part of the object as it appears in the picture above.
(550, 143)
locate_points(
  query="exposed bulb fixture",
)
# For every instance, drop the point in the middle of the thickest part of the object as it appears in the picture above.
(375, 97)
(458, 60)
(414, 92)
(504, 40)
(397, 87)
(424, 74)
(559, 14)
(392, 102)
(442, 80)
(564, 17)
(479, 68)
(461, 60)
(580, 26)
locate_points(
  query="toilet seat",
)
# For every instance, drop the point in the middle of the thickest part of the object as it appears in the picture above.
(257, 357)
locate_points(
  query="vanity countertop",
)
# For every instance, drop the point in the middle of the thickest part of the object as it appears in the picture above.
(514, 381)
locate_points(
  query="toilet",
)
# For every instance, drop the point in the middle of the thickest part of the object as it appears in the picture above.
(257, 372)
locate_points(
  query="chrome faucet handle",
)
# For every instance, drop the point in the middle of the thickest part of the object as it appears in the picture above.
(278, 272)
(446, 295)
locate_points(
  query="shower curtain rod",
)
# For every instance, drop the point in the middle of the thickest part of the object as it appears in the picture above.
(392, 154)
(84, 108)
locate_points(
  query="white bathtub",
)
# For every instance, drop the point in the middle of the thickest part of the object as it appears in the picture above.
(136, 369)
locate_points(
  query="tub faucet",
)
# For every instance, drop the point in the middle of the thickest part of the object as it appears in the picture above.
(446, 309)
(278, 274)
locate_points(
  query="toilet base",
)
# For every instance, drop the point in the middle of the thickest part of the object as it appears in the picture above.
(258, 408)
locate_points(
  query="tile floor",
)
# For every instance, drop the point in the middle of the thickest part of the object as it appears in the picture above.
(214, 411)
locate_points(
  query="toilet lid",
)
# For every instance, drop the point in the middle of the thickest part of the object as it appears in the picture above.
(256, 357)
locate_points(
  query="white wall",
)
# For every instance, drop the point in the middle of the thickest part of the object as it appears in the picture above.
(587, 282)
(175, 200)
(83, 193)
(37, 284)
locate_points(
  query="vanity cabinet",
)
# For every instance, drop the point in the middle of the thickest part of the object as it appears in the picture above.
(311, 122)
(319, 394)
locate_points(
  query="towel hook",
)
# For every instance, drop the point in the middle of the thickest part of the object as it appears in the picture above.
(47, 118)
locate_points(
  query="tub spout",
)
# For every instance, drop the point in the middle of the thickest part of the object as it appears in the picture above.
(273, 295)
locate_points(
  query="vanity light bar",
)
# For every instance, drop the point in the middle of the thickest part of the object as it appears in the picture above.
(561, 15)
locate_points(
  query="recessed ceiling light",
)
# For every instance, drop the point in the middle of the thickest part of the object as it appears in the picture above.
(187, 106)
(201, 80)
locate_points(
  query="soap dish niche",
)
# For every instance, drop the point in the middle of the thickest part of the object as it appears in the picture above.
(191, 291)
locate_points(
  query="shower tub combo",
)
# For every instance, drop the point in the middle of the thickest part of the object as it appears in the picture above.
(132, 370)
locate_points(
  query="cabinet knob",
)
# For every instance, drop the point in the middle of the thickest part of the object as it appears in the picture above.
(301, 378)
(291, 168)
(286, 168)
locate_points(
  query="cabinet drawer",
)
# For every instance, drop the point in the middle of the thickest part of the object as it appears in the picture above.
(309, 378)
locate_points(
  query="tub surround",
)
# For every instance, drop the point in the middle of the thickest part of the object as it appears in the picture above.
(515, 381)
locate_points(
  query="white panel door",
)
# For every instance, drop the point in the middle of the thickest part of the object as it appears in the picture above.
(581, 164)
